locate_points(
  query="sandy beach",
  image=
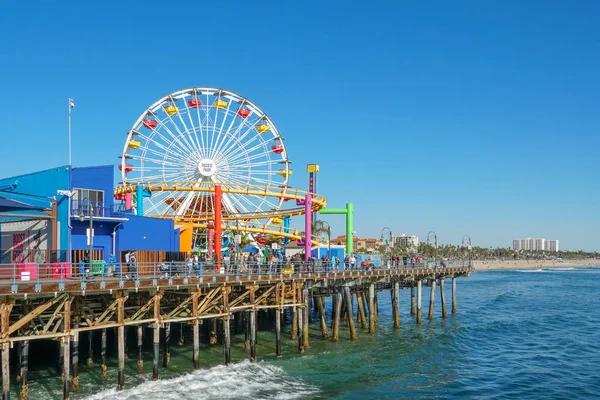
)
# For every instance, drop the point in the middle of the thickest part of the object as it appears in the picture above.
(532, 264)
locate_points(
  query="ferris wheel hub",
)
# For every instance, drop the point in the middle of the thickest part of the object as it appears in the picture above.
(207, 167)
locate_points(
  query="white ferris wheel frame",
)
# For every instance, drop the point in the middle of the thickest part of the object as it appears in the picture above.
(179, 148)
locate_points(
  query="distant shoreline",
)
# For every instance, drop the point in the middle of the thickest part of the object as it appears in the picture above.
(494, 265)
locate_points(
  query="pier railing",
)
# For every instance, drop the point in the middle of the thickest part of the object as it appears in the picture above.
(32, 277)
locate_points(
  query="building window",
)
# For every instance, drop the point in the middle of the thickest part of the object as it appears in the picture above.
(83, 199)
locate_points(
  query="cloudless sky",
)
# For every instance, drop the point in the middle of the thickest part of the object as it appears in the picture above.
(476, 117)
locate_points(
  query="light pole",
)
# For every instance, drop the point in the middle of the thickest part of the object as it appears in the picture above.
(388, 243)
(468, 241)
(328, 239)
(91, 234)
(435, 243)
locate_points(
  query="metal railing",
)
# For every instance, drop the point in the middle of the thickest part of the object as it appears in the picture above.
(98, 209)
(64, 276)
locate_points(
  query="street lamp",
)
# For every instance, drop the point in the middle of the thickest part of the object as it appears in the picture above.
(91, 234)
(435, 241)
(388, 243)
(467, 238)
(328, 239)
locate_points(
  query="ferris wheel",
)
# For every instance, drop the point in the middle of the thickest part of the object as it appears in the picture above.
(199, 137)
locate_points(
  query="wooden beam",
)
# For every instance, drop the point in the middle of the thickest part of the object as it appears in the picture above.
(27, 318)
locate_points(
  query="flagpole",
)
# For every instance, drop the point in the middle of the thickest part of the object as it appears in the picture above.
(69, 105)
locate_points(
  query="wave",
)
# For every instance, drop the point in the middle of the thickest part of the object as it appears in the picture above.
(237, 381)
(531, 270)
(563, 269)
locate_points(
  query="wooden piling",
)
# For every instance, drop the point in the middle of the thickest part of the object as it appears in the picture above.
(300, 331)
(412, 298)
(23, 385)
(396, 304)
(90, 357)
(6, 371)
(167, 350)
(431, 298)
(372, 308)
(121, 343)
(75, 363)
(61, 361)
(419, 315)
(453, 295)
(155, 356)
(226, 341)
(103, 367)
(362, 318)
(278, 332)
(246, 330)
(333, 308)
(66, 367)
(253, 335)
(294, 331)
(140, 345)
(336, 317)
(351, 327)
(306, 312)
(324, 331)
(376, 303)
(121, 352)
(213, 332)
(181, 340)
(443, 298)
(196, 351)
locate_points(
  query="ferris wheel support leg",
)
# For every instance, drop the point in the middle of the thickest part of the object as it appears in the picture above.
(286, 228)
(140, 200)
(307, 226)
(218, 230)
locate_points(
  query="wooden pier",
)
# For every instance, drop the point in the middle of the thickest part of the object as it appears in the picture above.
(64, 312)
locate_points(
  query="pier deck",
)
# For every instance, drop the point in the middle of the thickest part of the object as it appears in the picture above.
(64, 309)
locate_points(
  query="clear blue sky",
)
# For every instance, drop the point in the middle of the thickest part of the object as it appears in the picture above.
(477, 117)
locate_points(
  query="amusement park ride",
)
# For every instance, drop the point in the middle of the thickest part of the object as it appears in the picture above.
(212, 160)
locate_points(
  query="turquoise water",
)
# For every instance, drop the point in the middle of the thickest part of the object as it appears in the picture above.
(518, 334)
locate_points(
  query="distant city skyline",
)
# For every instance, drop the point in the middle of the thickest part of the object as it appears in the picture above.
(538, 244)
(424, 118)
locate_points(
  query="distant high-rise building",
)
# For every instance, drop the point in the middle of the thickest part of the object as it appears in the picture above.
(403, 240)
(551, 245)
(535, 244)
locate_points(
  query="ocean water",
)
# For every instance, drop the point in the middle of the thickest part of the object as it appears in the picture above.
(531, 334)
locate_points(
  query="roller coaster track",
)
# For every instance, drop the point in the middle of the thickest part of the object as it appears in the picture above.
(249, 220)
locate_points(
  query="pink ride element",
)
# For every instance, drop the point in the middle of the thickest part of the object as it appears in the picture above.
(128, 201)
(307, 203)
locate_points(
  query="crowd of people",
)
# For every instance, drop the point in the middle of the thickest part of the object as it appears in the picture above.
(196, 264)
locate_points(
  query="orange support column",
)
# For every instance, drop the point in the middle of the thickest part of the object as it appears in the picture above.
(218, 230)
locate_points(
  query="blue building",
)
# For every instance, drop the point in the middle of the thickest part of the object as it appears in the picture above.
(78, 198)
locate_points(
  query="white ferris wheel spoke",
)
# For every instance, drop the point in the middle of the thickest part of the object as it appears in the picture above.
(200, 145)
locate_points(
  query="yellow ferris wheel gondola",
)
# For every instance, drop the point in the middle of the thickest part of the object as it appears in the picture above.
(264, 128)
(220, 104)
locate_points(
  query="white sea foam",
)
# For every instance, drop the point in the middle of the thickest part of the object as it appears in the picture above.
(563, 269)
(531, 270)
(243, 380)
